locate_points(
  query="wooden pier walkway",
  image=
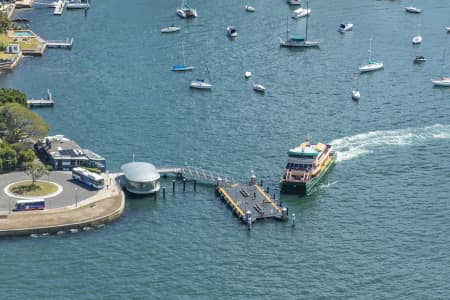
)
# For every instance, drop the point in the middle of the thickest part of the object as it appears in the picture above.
(68, 43)
(196, 173)
(41, 102)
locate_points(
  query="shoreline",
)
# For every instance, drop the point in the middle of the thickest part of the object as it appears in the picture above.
(104, 207)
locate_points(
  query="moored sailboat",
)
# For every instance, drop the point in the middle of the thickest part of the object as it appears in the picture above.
(371, 65)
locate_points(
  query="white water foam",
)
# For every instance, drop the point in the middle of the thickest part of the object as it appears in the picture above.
(356, 145)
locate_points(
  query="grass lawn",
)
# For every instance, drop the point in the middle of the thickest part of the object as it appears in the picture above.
(30, 44)
(41, 188)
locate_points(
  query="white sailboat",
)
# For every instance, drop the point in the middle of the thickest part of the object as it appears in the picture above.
(443, 80)
(169, 29)
(201, 84)
(298, 41)
(371, 65)
(294, 2)
(418, 38)
(259, 88)
(250, 8)
(182, 67)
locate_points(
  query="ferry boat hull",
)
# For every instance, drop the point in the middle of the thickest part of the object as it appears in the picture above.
(307, 165)
(305, 188)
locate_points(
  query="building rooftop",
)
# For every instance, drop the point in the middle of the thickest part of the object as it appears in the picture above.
(140, 172)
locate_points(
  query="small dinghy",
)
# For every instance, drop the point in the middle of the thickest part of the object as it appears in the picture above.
(170, 29)
(419, 59)
(248, 74)
(343, 27)
(250, 8)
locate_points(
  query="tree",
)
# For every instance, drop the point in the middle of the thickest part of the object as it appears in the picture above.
(36, 170)
(5, 23)
(20, 124)
(8, 157)
(27, 156)
(12, 96)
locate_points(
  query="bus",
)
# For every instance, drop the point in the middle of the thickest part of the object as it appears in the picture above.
(29, 204)
(90, 179)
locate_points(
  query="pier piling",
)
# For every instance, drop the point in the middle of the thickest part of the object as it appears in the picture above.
(184, 185)
(173, 186)
(164, 192)
(293, 220)
(195, 185)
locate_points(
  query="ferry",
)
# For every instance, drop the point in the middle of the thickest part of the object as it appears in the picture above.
(307, 164)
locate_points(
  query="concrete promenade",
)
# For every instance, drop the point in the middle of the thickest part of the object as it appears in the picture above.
(103, 206)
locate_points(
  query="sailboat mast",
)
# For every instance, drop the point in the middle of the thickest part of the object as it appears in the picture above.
(370, 49)
(307, 17)
(287, 28)
(443, 63)
(184, 59)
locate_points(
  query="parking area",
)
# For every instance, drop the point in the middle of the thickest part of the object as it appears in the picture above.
(72, 191)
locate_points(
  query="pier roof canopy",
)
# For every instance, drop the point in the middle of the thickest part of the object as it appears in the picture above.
(140, 172)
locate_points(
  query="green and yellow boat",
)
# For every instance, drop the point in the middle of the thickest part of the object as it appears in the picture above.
(307, 165)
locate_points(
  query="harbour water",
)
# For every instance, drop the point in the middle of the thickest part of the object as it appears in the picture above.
(375, 228)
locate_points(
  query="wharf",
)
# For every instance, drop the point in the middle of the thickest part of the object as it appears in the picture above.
(68, 43)
(41, 102)
(251, 203)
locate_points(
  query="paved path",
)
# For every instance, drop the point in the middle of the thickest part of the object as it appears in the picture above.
(102, 206)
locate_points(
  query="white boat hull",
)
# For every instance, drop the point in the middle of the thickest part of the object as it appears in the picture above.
(259, 88)
(170, 29)
(200, 85)
(413, 9)
(417, 40)
(346, 27)
(448, 29)
(294, 2)
(371, 67)
(301, 12)
(185, 14)
(356, 95)
(442, 82)
(250, 8)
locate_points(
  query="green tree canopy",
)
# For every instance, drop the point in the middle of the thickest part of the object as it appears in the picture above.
(19, 124)
(8, 157)
(27, 156)
(5, 23)
(36, 170)
(12, 96)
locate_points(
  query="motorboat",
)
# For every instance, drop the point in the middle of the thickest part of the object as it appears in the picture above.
(371, 65)
(200, 84)
(294, 2)
(231, 31)
(417, 39)
(250, 8)
(185, 11)
(356, 95)
(343, 27)
(419, 59)
(413, 9)
(443, 81)
(170, 29)
(447, 28)
(259, 88)
(248, 74)
(77, 4)
(301, 12)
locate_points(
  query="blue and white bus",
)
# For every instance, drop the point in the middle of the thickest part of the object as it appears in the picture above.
(29, 204)
(90, 179)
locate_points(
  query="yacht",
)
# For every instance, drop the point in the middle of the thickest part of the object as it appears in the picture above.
(77, 4)
(250, 8)
(294, 2)
(171, 28)
(259, 88)
(419, 59)
(343, 27)
(231, 31)
(200, 84)
(185, 11)
(301, 12)
(413, 9)
(371, 65)
(443, 81)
